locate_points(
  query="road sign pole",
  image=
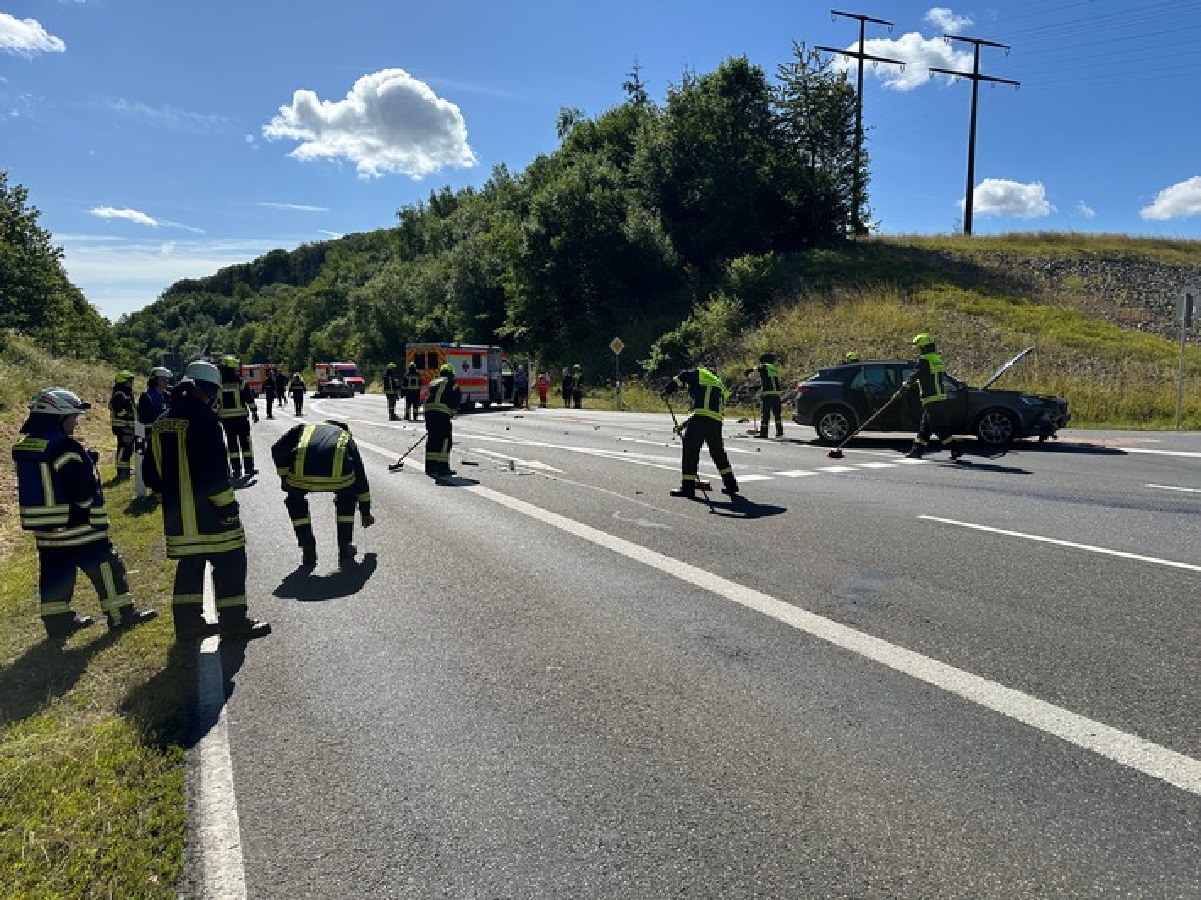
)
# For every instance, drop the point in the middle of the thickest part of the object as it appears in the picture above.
(616, 346)
(1185, 309)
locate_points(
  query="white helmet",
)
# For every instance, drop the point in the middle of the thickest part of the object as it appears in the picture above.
(203, 371)
(58, 401)
(160, 372)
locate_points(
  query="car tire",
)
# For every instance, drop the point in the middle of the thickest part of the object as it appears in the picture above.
(834, 424)
(996, 427)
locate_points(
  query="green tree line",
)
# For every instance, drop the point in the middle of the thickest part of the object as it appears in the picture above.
(645, 215)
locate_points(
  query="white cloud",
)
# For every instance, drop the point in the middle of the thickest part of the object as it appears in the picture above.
(389, 123)
(299, 207)
(918, 53)
(139, 217)
(998, 197)
(1177, 201)
(27, 37)
(946, 21)
(133, 215)
(1084, 211)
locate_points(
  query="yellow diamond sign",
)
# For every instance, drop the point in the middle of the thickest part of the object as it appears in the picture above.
(616, 345)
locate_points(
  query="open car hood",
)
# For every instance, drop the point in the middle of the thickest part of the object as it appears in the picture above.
(1005, 368)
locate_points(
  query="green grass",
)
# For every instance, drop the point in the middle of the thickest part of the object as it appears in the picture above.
(92, 735)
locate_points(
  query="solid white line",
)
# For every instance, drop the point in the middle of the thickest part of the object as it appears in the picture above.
(218, 834)
(875, 465)
(1075, 546)
(795, 473)
(837, 469)
(1168, 487)
(1126, 749)
(1185, 453)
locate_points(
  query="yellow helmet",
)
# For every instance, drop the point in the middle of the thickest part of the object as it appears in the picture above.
(446, 369)
(923, 340)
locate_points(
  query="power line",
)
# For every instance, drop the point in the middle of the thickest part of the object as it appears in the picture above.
(976, 78)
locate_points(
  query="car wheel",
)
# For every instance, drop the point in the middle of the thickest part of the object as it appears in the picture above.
(996, 427)
(833, 424)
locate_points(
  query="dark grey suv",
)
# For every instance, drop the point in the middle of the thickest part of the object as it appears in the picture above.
(838, 399)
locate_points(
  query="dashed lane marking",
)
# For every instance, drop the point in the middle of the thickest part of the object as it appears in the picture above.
(1169, 487)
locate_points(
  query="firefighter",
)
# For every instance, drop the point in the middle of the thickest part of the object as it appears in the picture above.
(237, 405)
(153, 401)
(392, 390)
(122, 412)
(412, 392)
(936, 414)
(851, 357)
(281, 385)
(577, 386)
(62, 502)
(442, 399)
(297, 388)
(269, 391)
(323, 457)
(185, 465)
(769, 394)
(703, 426)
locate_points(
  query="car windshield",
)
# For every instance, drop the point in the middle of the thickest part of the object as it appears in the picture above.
(347, 371)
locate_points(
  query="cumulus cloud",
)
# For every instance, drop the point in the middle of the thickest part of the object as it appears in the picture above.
(998, 197)
(918, 54)
(946, 21)
(1177, 201)
(140, 218)
(27, 37)
(389, 123)
(1084, 211)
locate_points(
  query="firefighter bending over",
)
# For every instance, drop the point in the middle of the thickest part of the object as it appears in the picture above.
(769, 394)
(702, 427)
(322, 457)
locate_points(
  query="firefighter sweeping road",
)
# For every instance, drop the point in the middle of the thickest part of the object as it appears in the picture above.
(545, 677)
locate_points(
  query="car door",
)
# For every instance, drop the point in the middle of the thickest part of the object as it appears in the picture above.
(876, 383)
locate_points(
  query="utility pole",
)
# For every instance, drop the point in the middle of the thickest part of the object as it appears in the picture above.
(857, 227)
(976, 78)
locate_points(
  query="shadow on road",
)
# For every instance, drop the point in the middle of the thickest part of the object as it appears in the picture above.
(306, 587)
(739, 507)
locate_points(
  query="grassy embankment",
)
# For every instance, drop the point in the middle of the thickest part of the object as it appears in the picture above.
(92, 800)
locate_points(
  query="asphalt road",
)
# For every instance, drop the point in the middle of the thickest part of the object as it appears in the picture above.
(863, 678)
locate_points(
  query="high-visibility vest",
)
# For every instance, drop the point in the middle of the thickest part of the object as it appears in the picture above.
(443, 396)
(930, 379)
(320, 457)
(769, 377)
(231, 405)
(121, 411)
(707, 392)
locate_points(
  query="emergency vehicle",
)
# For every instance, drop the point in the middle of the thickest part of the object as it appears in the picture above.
(253, 375)
(481, 370)
(348, 371)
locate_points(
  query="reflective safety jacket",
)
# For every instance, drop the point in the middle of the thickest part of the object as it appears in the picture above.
(412, 382)
(769, 378)
(151, 405)
(706, 390)
(121, 408)
(234, 397)
(321, 456)
(58, 489)
(443, 396)
(392, 383)
(929, 378)
(186, 463)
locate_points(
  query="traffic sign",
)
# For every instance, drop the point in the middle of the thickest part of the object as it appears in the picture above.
(616, 345)
(1186, 306)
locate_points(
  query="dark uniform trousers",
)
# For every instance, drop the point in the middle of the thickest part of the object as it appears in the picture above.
(96, 559)
(769, 406)
(936, 421)
(438, 442)
(238, 444)
(700, 431)
(296, 502)
(229, 586)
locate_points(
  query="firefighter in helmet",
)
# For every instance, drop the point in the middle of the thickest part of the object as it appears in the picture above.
(323, 457)
(769, 394)
(411, 387)
(851, 357)
(237, 405)
(702, 427)
(62, 503)
(185, 466)
(122, 412)
(442, 399)
(928, 377)
(392, 389)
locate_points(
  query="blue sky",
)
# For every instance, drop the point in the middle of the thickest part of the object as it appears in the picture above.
(166, 139)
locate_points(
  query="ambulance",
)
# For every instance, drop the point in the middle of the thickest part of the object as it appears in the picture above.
(481, 370)
(253, 376)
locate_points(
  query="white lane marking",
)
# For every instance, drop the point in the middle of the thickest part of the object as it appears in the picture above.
(837, 469)
(1185, 453)
(219, 836)
(795, 473)
(525, 463)
(875, 465)
(1072, 544)
(1125, 749)
(753, 477)
(1168, 487)
(913, 462)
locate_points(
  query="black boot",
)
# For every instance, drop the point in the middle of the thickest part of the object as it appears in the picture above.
(729, 485)
(687, 489)
(915, 452)
(61, 626)
(956, 450)
(235, 625)
(190, 623)
(308, 555)
(346, 554)
(129, 616)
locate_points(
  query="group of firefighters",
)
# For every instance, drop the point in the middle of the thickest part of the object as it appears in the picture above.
(199, 439)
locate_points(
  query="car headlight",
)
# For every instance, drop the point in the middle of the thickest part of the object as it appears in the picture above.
(1033, 401)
